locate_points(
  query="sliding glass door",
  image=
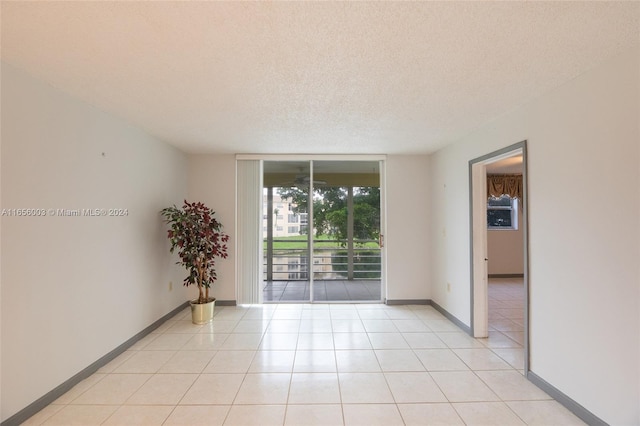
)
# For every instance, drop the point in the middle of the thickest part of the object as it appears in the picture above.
(322, 231)
(286, 231)
(346, 252)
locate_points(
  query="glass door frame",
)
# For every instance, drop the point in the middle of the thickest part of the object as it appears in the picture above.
(381, 159)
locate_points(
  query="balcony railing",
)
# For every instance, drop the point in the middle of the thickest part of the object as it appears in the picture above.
(329, 263)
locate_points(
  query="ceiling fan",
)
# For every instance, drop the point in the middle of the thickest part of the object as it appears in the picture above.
(303, 181)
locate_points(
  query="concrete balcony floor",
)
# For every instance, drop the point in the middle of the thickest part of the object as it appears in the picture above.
(323, 291)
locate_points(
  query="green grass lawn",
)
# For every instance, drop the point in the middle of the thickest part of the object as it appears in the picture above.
(323, 241)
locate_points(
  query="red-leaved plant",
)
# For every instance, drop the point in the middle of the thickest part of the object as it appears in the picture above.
(200, 240)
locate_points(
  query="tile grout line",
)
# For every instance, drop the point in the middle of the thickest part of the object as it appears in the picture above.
(297, 347)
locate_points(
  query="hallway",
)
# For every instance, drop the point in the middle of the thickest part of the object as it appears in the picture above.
(506, 319)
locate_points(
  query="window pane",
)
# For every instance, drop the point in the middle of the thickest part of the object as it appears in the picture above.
(504, 201)
(499, 218)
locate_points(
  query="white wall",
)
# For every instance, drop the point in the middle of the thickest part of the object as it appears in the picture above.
(1, 204)
(75, 288)
(212, 180)
(408, 234)
(584, 275)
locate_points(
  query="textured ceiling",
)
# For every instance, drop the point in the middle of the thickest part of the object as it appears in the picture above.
(510, 165)
(312, 77)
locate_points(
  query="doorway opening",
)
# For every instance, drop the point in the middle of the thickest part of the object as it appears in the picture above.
(499, 252)
(322, 239)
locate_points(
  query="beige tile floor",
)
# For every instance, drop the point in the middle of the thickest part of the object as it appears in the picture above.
(294, 364)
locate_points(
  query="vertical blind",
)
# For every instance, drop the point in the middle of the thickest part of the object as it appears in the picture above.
(249, 231)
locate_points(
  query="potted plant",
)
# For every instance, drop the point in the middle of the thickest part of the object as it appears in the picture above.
(199, 238)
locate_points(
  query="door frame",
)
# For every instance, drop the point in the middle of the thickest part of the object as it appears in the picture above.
(478, 241)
